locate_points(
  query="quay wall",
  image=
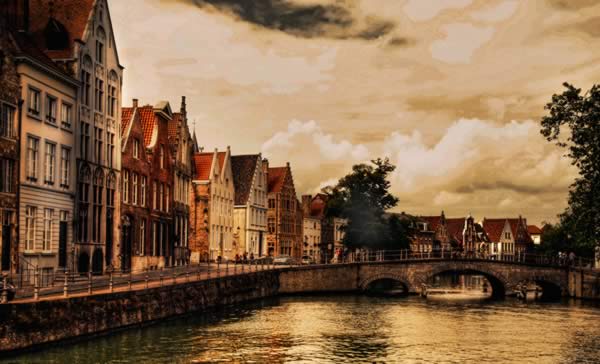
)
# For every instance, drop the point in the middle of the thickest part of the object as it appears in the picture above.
(25, 325)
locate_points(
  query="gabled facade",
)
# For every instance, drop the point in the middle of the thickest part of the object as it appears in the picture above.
(212, 195)
(250, 209)
(9, 167)
(134, 244)
(155, 123)
(508, 237)
(283, 237)
(332, 228)
(182, 150)
(438, 233)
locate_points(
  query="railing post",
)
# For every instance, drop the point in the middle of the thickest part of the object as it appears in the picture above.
(130, 278)
(89, 282)
(174, 276)
(160, 275)
(146, 278)
(110, 282)
(187, 274)
(218, 268)
(66, 285)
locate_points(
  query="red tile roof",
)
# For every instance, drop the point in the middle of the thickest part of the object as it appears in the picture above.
(26, 46)
(148, 121)
(532, 229)
(126, 114)
(318, 205)
(455, 228)
(433, 222)
(493, 228)
(276, 178)
(72, 14)
(202, 165)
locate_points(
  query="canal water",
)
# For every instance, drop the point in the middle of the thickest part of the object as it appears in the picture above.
(361, 329)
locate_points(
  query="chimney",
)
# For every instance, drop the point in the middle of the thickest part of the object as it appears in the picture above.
(135, 103)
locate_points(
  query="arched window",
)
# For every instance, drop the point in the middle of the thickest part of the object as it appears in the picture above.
(111, 181)
(100, 40)
(86, 79)
(113, 83)
(97, 202)
(83, 192)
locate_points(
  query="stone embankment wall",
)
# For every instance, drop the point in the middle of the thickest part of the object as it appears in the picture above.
(24, 325)
(584, 284)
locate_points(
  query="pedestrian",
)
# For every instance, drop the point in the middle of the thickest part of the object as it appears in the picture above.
(251, 256)
(571, 258)
(237, 259)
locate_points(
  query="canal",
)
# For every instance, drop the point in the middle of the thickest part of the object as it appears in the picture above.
(335, 329)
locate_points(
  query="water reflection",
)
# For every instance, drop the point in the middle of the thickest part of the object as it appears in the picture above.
(355, 329)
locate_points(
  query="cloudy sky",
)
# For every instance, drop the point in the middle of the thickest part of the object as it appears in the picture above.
(450, 90)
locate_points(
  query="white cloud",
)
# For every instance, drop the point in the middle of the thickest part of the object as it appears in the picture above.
(500, 12)
(462, 40)
(445, 198)
(421, 10)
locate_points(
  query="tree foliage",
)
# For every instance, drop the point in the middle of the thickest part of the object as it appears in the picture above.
(573, 123)
(363, 197)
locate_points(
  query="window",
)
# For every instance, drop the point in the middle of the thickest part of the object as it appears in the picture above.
(99, 95)
(110, 148)
(66, 116)
(86, 78)
(47, 238)
(126, 186)
(154, 195)
(7, 120)
(167, 194)
(110, 190)
(143, 191)
(271, 223)
(99, 52)
(7, 167)
(136, 149)
(154, 237)
(111, 104)
(142, 236)
(98, 144)
(33, 145)
(84, 188)
(85, 139)
(50, 161)
(134, 194)
(97, 208)
(30, 212)
(34, 106)
(161, 196)
(271, 203)
(65, 167)
(51, 106)
(162, 156)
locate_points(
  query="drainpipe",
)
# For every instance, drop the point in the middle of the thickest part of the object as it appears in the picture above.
(18, 175)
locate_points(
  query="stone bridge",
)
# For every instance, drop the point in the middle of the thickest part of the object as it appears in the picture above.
(504, 277)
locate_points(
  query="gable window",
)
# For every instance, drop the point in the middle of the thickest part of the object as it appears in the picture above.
(143, 191)
(33, 145)
(110, 148)
(66, 116)
(112, 101)
(7, 117)
(136, 149)
(161, 196)
(51, 105)
(99, 95)
(134, 194)
(50, 161)
(34, 104)
(154, 195)
(65, 167)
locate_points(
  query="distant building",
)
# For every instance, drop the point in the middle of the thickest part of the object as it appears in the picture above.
(535, 233)
(438, 233)
(312, 237)
(283, 237)
(213, 194)
(508, 237)
(332, 228)
(250, 209)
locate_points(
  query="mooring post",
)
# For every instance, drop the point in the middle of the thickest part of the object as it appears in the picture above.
(36, 288)
(130, 278)
(110, 282)
(160, 275)
(89, 282)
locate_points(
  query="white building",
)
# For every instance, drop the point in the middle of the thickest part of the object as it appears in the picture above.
(312, 237)
(250, 210)
(47, 161)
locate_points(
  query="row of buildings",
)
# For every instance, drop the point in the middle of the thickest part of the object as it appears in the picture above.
(495, 237)
(89, 184)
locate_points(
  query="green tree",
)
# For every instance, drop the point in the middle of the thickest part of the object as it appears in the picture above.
(573, 123)
(363, 197)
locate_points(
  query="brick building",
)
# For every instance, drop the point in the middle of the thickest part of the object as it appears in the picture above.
(285, 235)
(181, 144)
(134, 243)
(332, 228)
(9, 127)
(155, 124)
(508, 236)
(213, 193)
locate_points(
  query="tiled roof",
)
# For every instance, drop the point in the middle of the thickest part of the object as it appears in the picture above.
(126, 114)
(318, 205)
(243, 168)
(493, 228)
(433, 222)
(72, 14)
(27, 47)
(276, 178)
(148, 121)
(455, 228)
(532, 229)
(202, 164)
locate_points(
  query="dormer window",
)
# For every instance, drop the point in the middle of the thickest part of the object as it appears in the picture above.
(57, 37)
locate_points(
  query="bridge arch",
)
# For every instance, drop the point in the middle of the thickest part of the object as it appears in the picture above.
(365, 284)
(499, 283)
